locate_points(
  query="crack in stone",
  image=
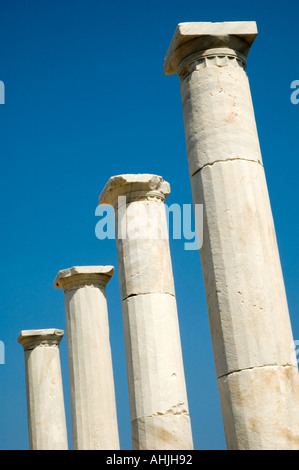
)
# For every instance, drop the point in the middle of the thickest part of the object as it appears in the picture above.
(255, 367)
(148, 293)
(227, 160)
(171, 412)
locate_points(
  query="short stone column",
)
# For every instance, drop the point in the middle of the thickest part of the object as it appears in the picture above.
(94, 417)
(45, 403)
(249, 319)
(157, 391)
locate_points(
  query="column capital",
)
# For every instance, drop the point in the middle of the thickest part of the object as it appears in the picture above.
(31, 339)
(134, 187)
(83, 275)
(199, 40)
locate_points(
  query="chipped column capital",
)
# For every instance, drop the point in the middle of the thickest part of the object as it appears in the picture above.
(134, 187)
(31, 339)
(83, 275)
(226, 43)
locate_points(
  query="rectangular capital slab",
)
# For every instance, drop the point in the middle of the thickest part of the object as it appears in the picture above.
(231, 34)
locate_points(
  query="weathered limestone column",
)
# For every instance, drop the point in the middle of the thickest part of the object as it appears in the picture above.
(249, 319)
(94, 417)
(45, 403)
(157, 390)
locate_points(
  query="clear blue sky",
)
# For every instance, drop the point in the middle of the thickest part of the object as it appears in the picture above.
(86, 99)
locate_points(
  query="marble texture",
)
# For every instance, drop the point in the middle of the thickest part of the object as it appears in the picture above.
(45, 402)
(157, 389)
(250, 326)
(94, 416)
(259, 408)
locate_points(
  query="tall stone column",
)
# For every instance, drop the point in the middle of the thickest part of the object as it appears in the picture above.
(45, 403)
(94, 417)
(248, 312)
(157, 390)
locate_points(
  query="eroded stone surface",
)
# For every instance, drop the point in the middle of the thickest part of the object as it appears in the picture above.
(166, 431)
(147, 266)
(153, 349)
(248, 312)
(195, 36)
(45, 402)
(156, 377)
(260, 408)
(219, 121)
(76, 275)
(31, 339)
(94, 418)
(127, 184)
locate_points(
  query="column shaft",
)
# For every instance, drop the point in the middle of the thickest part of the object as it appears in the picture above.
(157, 391)
(94, 417)
(249, 320)
(45, 404)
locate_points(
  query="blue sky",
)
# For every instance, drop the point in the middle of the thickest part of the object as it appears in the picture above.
(86, 99)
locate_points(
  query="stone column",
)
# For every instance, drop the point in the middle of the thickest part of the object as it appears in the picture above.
(94, 418)
(45, 404)
(248, 312)
(157, 390)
